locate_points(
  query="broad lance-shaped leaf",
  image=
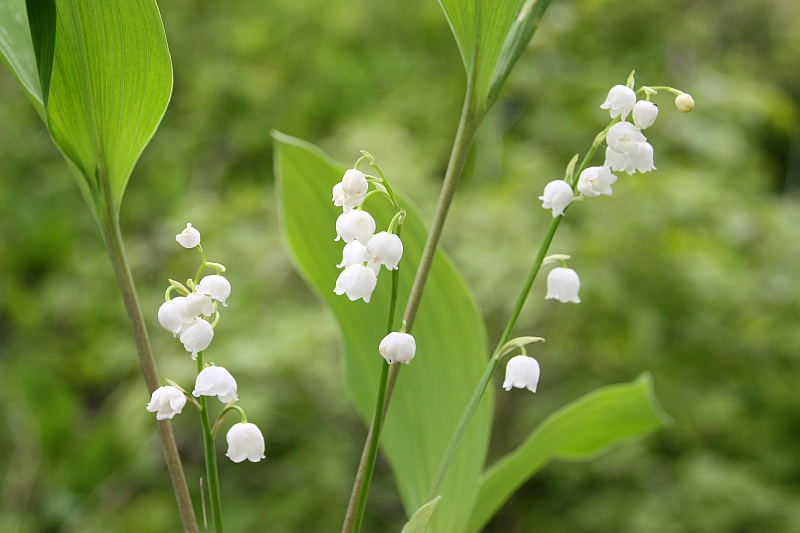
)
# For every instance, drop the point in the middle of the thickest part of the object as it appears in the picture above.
(110, 85)
(594, 423)
(491, 36)
(17, 52)
(433, 390)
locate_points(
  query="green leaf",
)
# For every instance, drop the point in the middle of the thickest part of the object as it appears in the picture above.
(16, 50)
(111, 83)
(433, 390)
(420, 520)
(491, 37)
(42, 21)
(594, 423)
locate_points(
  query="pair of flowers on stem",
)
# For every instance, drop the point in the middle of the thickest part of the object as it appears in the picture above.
(192, 317)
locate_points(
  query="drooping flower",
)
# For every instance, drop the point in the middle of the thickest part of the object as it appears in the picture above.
(189, 237)
(356, 281)
(595, 181)
(172, 315)
(624, 137)
(215, 286)
(199, 304)
(245, 441)
(628, 150)
(563, 285)
(398, 347)
(557, 196)
(522, 372)
(354, 183)
(620, 101)
(684, 102)
(215, 381)
(644, 114)
(355, 225)
(384, 249)
(354, 253)
(166, 402)
(196, 336)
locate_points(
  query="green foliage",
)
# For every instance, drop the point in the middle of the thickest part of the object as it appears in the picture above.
(449, 333)
(491, 38)
(419, 521)
(688, 273)
(578, 431)
(104, 78)
(17, 52)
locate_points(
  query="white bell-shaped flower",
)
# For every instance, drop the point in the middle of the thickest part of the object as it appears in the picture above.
(644, 161)
(563, 285)
(189, 237)
(626, 138)
(398, 347)
(338, 195)
(595, 181)
(354, 183)
(166, 402)
(522, 372)
(684, 102)
(245, 441)
(215, 286)
(196, 336)
(620, 101)
(172, 315)
(356, 281)
(355, 225)
(557, 196)
(644, 114)
(384, 249)
(354, 253)
(199, 304)
(215, 381)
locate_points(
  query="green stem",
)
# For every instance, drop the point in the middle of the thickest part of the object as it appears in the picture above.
(358, 496)
(466, 417)
(109, 227)
(212, 477)
(494, 361)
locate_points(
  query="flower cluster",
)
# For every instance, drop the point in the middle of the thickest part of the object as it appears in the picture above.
(365, 251)
(627, 149)
(192, 316)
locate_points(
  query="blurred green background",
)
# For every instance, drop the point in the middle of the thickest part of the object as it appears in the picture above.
(690, 272)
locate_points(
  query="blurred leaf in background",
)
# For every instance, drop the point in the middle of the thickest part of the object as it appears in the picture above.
(689, 273)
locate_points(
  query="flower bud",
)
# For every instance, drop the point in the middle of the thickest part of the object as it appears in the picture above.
(166, 402)
(215, 381)
(398, 347)
(215, 286)
(357, 281)
(644, 114)
(355, 225)
(557, 196)
(189, 237)
(563, 285)
(384, 249)
(595, 181)
(620, 101)
(245, 441)
(684, 102)
(196, 336)
(522, 372)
